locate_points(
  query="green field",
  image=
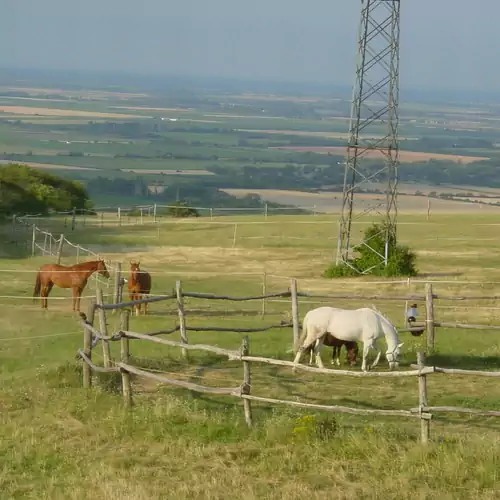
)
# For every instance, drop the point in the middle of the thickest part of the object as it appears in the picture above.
(59, 441)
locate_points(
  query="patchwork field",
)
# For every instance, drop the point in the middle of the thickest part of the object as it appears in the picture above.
(85, 93)
(32, 111)
(404, 156)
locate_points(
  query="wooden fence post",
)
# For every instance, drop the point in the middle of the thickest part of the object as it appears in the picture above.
(119, 216)
(60, 248)
(33, 241)
(87, 350)
(295, 312)
(103, 328)
(247, 381)
(77, 254)
(154, 213)
(117, 284)
(73, 219)
(125, 354)
(91, 312)
(429, 307)
(425, 423)
(264, 292)
(182, 317)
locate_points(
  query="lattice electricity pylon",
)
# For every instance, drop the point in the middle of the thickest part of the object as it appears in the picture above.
(373, 128)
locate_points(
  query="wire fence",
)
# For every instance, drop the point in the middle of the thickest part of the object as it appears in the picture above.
(46, 244)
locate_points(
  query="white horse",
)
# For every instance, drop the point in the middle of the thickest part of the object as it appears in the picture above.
(360, 325)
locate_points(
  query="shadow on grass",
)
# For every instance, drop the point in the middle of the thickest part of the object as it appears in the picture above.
(464, 362)
(14, 248)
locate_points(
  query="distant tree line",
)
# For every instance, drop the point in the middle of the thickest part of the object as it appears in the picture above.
(192, 193)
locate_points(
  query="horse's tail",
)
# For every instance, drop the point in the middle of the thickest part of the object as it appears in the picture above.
(299, 342)
(38, 286)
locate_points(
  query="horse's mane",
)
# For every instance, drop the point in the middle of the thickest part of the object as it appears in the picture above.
(380, 313)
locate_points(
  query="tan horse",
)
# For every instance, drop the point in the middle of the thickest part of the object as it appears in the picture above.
(74, 277)
(139, 286)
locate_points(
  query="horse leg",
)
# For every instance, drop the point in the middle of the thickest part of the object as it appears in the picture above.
(317, 351)
(79, 296)
(75, 297)
(298, 356)
(377, 358)
(45, 293)
(138, 306)
(366, 350)
(336, 355)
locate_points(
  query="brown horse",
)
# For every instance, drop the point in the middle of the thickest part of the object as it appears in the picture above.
(74, 277)
(331, 341)
(139, 285)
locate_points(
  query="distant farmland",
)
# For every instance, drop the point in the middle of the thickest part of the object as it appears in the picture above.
(404, 156)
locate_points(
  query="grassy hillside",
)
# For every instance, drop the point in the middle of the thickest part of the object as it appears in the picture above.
(61, 442)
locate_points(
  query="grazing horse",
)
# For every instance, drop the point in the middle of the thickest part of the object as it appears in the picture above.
(363, 325)
(331, 341)
(139, 284)
(74, 277)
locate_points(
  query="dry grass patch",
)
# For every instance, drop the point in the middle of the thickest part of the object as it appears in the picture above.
(330, 135)
(51, 166)
(404, 156)
(94, 94)
(31, 111)
(273, 97)
(331, 202)
(167, 172)
(148, 108)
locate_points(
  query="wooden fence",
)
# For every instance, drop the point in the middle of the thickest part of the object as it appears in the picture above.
(428, 325)
(93, 335)
(423, 411)
(55, 246)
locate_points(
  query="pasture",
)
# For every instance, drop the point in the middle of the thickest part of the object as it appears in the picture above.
(59, 441)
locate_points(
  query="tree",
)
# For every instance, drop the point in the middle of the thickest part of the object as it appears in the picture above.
(27, 190)
(401, 261)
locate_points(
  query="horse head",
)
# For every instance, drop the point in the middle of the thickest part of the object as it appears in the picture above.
(135, 269)
(102, 269)
(393, 355)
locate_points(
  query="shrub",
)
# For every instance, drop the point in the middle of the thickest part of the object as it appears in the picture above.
(182, 209)
(401, 260)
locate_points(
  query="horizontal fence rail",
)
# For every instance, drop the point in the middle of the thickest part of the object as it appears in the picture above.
(420, 371)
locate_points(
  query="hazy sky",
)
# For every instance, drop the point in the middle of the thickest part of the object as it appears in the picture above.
(443, 42)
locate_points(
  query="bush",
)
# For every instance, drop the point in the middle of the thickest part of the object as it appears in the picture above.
(401, 258)
(182, 209)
